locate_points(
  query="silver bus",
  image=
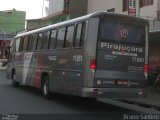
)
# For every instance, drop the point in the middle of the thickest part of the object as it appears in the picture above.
(98, 55)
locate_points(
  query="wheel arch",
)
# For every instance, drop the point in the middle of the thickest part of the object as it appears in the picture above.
(43, 74)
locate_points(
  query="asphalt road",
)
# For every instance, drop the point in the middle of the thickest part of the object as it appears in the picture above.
(28, 100)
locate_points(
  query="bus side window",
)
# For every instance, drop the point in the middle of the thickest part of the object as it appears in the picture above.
(34, 42)
(25, 43)
(13, 46)
(79, 35)
(83, 34)
(30, 42)
(53, 39)
(46, 37)
(69, 36)
(17, 44)
(39, 41)
(61, 37)
(21, 44)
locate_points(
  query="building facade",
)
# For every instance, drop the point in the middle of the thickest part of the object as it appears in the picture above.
(36, 23)
(144, 8)
(55, 11)
(5, 44)
(74, 8)
(12, 21)
(148, 9)
(61, 10)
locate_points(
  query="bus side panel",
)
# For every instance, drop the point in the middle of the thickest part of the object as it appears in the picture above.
(22, 64)
(9, 66)
(17, 65)
(32, 67)
(64, 67)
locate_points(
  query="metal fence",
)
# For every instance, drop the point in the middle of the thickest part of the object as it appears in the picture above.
(154, 25)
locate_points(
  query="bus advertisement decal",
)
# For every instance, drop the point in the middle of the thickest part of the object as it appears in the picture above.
(121, 47)
(38, 70)
(26, 64)
(124, 53)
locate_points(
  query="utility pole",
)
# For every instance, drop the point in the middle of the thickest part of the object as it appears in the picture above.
(42, 8)
(138, 8)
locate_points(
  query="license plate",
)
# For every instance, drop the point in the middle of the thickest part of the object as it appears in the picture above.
(122, 82)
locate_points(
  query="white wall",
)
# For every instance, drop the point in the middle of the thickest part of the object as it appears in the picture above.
(150, 11)
(55, 6)
(100, 5)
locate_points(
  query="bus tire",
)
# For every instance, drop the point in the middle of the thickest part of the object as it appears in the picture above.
(14, 83)
(45, 87)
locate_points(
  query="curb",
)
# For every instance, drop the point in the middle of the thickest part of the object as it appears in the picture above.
(2, 69)
(141, 103)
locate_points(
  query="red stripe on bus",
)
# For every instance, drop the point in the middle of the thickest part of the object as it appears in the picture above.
(38, 71)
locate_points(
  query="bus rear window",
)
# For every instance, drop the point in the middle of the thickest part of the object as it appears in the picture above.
(121, 32)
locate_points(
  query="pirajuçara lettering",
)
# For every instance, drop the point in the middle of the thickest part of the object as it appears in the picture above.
(121, 47)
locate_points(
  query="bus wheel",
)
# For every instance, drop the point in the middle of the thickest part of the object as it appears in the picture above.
(14, 78)
(45, 87)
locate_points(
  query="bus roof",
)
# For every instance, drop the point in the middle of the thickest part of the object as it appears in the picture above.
(77, 20)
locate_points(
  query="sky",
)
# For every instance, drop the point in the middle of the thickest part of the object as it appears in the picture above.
(33, 8)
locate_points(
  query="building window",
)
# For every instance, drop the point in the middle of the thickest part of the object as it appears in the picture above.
(144, 3)
(66, 6)
(125, 5)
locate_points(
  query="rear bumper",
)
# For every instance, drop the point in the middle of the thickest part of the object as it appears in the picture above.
(114, 93)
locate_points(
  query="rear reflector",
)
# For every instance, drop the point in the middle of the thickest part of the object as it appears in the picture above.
(93, 64)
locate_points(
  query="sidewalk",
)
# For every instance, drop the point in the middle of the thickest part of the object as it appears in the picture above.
(3, 68)
(152, 100)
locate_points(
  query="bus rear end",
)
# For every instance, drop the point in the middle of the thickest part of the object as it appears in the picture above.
(120, 65)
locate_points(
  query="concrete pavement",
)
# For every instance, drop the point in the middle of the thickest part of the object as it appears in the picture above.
(152, 100)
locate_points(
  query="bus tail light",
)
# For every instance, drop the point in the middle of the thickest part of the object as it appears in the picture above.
(93, 64)
(145, 68)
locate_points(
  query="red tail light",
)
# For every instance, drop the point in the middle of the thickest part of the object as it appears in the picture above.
(145, 68)
(93, 64)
